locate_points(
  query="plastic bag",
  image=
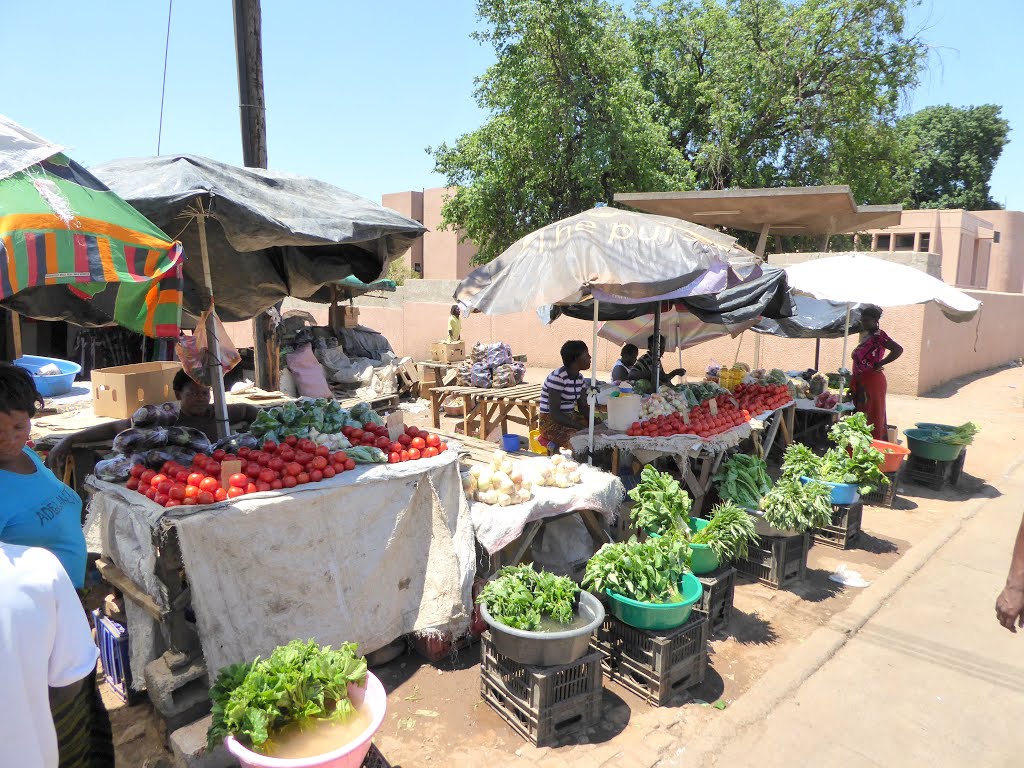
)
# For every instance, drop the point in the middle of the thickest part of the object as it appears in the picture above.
(480, 376)
(157, 457)
(163, 415)
(232, 443)
(115, 470)
(197, 355)
(309, 375)
(187, 437)
(139, 440)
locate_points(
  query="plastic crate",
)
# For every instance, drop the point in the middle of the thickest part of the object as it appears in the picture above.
(541, 704)
(777, 560)
(845, 528)
(932, 473)
(717, 600)
(655, 665)
(112, 640)
(886, 495)
(374, 759)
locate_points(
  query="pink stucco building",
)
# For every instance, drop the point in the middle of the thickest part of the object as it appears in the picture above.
(438, 255)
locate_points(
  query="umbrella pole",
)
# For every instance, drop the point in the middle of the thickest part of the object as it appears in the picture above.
(656, 352)
(817, 354)
(592, 395)
(220, 405)
(842, 363)
(679, 346)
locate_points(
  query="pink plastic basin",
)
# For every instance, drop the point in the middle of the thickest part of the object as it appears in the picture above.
(894, 454)
(349, 756)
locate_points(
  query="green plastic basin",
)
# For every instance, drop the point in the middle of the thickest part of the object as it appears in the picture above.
(920, 443)
(702, 558)
(927, 425)
(657, 615)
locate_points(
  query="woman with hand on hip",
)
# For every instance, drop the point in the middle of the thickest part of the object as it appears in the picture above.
(875, 351)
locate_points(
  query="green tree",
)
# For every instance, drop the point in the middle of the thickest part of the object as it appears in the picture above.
(571, 124)
(762, 93)
(953, 152)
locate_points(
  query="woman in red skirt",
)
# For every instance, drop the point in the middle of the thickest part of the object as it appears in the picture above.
(868, 383)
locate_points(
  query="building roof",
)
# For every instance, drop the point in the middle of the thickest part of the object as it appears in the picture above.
(785, 210)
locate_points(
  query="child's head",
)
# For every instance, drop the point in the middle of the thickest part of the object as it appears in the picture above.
(576, 355)
(629, 354)
(454, 310)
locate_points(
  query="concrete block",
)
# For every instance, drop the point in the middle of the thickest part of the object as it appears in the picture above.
(189, 747)
(180, 696)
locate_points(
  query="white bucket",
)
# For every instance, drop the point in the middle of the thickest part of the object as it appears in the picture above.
(623, 411)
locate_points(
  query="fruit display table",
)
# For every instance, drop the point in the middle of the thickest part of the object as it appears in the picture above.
(367, 556)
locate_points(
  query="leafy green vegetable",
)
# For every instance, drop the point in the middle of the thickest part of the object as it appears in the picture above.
(364, 454)
(729, 533)
(299, 682)
(648, 571)
(743, 479)
(306, 418)
(519, 596)
(660, 503)
(854, 458)
(964, 435)
(799, 461)
(793, 505)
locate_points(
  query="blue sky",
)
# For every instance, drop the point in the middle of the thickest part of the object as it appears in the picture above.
(355, 91)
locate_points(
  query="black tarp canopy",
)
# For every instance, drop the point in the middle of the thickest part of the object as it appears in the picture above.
(812, 319)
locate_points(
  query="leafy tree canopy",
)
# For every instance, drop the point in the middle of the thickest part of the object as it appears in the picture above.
(953, 152)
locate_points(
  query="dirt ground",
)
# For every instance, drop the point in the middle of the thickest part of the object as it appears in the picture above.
(436, 715)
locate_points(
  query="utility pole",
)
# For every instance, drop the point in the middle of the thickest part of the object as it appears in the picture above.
(249, 57)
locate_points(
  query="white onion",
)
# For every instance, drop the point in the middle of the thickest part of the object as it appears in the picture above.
(504, 500)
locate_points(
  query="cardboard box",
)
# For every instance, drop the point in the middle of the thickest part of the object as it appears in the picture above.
(349, 317)
(448, 351)
(119, 392)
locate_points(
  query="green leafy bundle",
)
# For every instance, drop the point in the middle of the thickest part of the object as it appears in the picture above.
(648, 571)
(660, 503)
(303, 417)
(729, 534)
(743, 480)
(793, 505)
(519, 596)
(854, 458)
(964, 435)
(299, 682)
(799, 461)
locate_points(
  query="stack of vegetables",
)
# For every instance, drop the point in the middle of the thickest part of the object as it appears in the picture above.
(500, 483)
(521, 597)
(555, 472)
(646, 571)
(317, 419)
(761, 398)
(743, 480)
(704, 420)
(962, 435)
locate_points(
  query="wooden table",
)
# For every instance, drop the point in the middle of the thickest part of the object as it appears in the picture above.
(484, 409)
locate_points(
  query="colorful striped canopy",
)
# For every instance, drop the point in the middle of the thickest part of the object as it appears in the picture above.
(60, 227)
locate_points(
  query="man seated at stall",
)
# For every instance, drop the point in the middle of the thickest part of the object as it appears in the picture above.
(646, 366)
(563, 398)
(627, 359)
(195, 405)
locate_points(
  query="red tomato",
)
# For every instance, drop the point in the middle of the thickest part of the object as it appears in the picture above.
(156, 479)
(138, 470)
(356, 435)
(192, 491)
(405, 455)
(276, 464)
(419, 443)
(251, 488)
(412, 431)
(173, 503)
(405, 440)
(238, 480)
(194, 479)
(323, 450)
(163, 487)
(151, 493)
(132, 484)
(329, 472)
(244, 452)
(302, 478)
(291, 440)
(442, 447)
(286, 456)
(220, 494)
(383, 443)
(177, 492)
(316, 476)
(340, 456)
(189, 501)
(349, 465)
(269, 446)
(200, 459)
(319, 462)
(213, 468)
(430, 452)
(205, 497)
(433, 441)
(162, 499)
(308, 446)
(219, 454)
(414, 452)
(234, 492)
(262, 486)
(394, 458)
(268, 476)
(253, 471)
(276, 485)
(294, 469)
(289, 481)
(369, 439)
(301, 457)
(209, 484)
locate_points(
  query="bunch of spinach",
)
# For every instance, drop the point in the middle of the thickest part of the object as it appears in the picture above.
(520, 596)
(299, 682)
(963, 435)
(743, 479)
(854, 458)
(799, 461)
(729, 534)
(648, 571)
(660, 503)
(793, 505)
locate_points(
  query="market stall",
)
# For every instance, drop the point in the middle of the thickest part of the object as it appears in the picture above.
(484, 409)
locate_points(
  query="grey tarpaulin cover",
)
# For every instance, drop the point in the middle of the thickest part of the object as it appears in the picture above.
(812, 319)
(270, 234)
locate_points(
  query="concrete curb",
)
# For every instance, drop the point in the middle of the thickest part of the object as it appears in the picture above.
(785, 678)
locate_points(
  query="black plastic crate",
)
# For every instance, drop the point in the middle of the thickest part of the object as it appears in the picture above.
(932, 473)
(845, 528)
(655, 664)
(374, 759)
(886, 495)
(777, 560)
(717, 600)
(542, 704)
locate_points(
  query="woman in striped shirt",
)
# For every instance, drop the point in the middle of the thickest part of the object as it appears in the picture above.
(563, 399)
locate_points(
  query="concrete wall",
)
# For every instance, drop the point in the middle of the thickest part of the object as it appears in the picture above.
(444, 257)
(409, 204)
(1006, 260)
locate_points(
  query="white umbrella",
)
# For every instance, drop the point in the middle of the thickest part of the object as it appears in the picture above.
(855, 278)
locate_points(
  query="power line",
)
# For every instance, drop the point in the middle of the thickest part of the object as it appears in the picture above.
(163, 87)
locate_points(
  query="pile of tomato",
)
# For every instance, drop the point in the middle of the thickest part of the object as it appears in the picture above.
(273, 468)
(759, 398)
(702, 422)
(414, 444)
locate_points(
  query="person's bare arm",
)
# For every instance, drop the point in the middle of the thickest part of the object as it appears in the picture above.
(1010, 604)
(100, 433)
(895, 350)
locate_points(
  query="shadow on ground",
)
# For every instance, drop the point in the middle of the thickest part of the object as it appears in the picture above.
(751, 629)
(816, 587)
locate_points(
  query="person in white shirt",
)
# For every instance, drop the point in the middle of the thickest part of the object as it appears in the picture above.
(45, 643)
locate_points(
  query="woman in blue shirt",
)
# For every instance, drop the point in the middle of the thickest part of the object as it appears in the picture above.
(38, 510)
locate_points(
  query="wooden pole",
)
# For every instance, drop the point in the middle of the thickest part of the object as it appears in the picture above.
(16, 332)
(252, 106)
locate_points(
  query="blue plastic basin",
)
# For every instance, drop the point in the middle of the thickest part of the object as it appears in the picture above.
(510, 442)
(842, 493)
(49, 386)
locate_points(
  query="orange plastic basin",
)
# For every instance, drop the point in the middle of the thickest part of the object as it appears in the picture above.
(894, 454)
